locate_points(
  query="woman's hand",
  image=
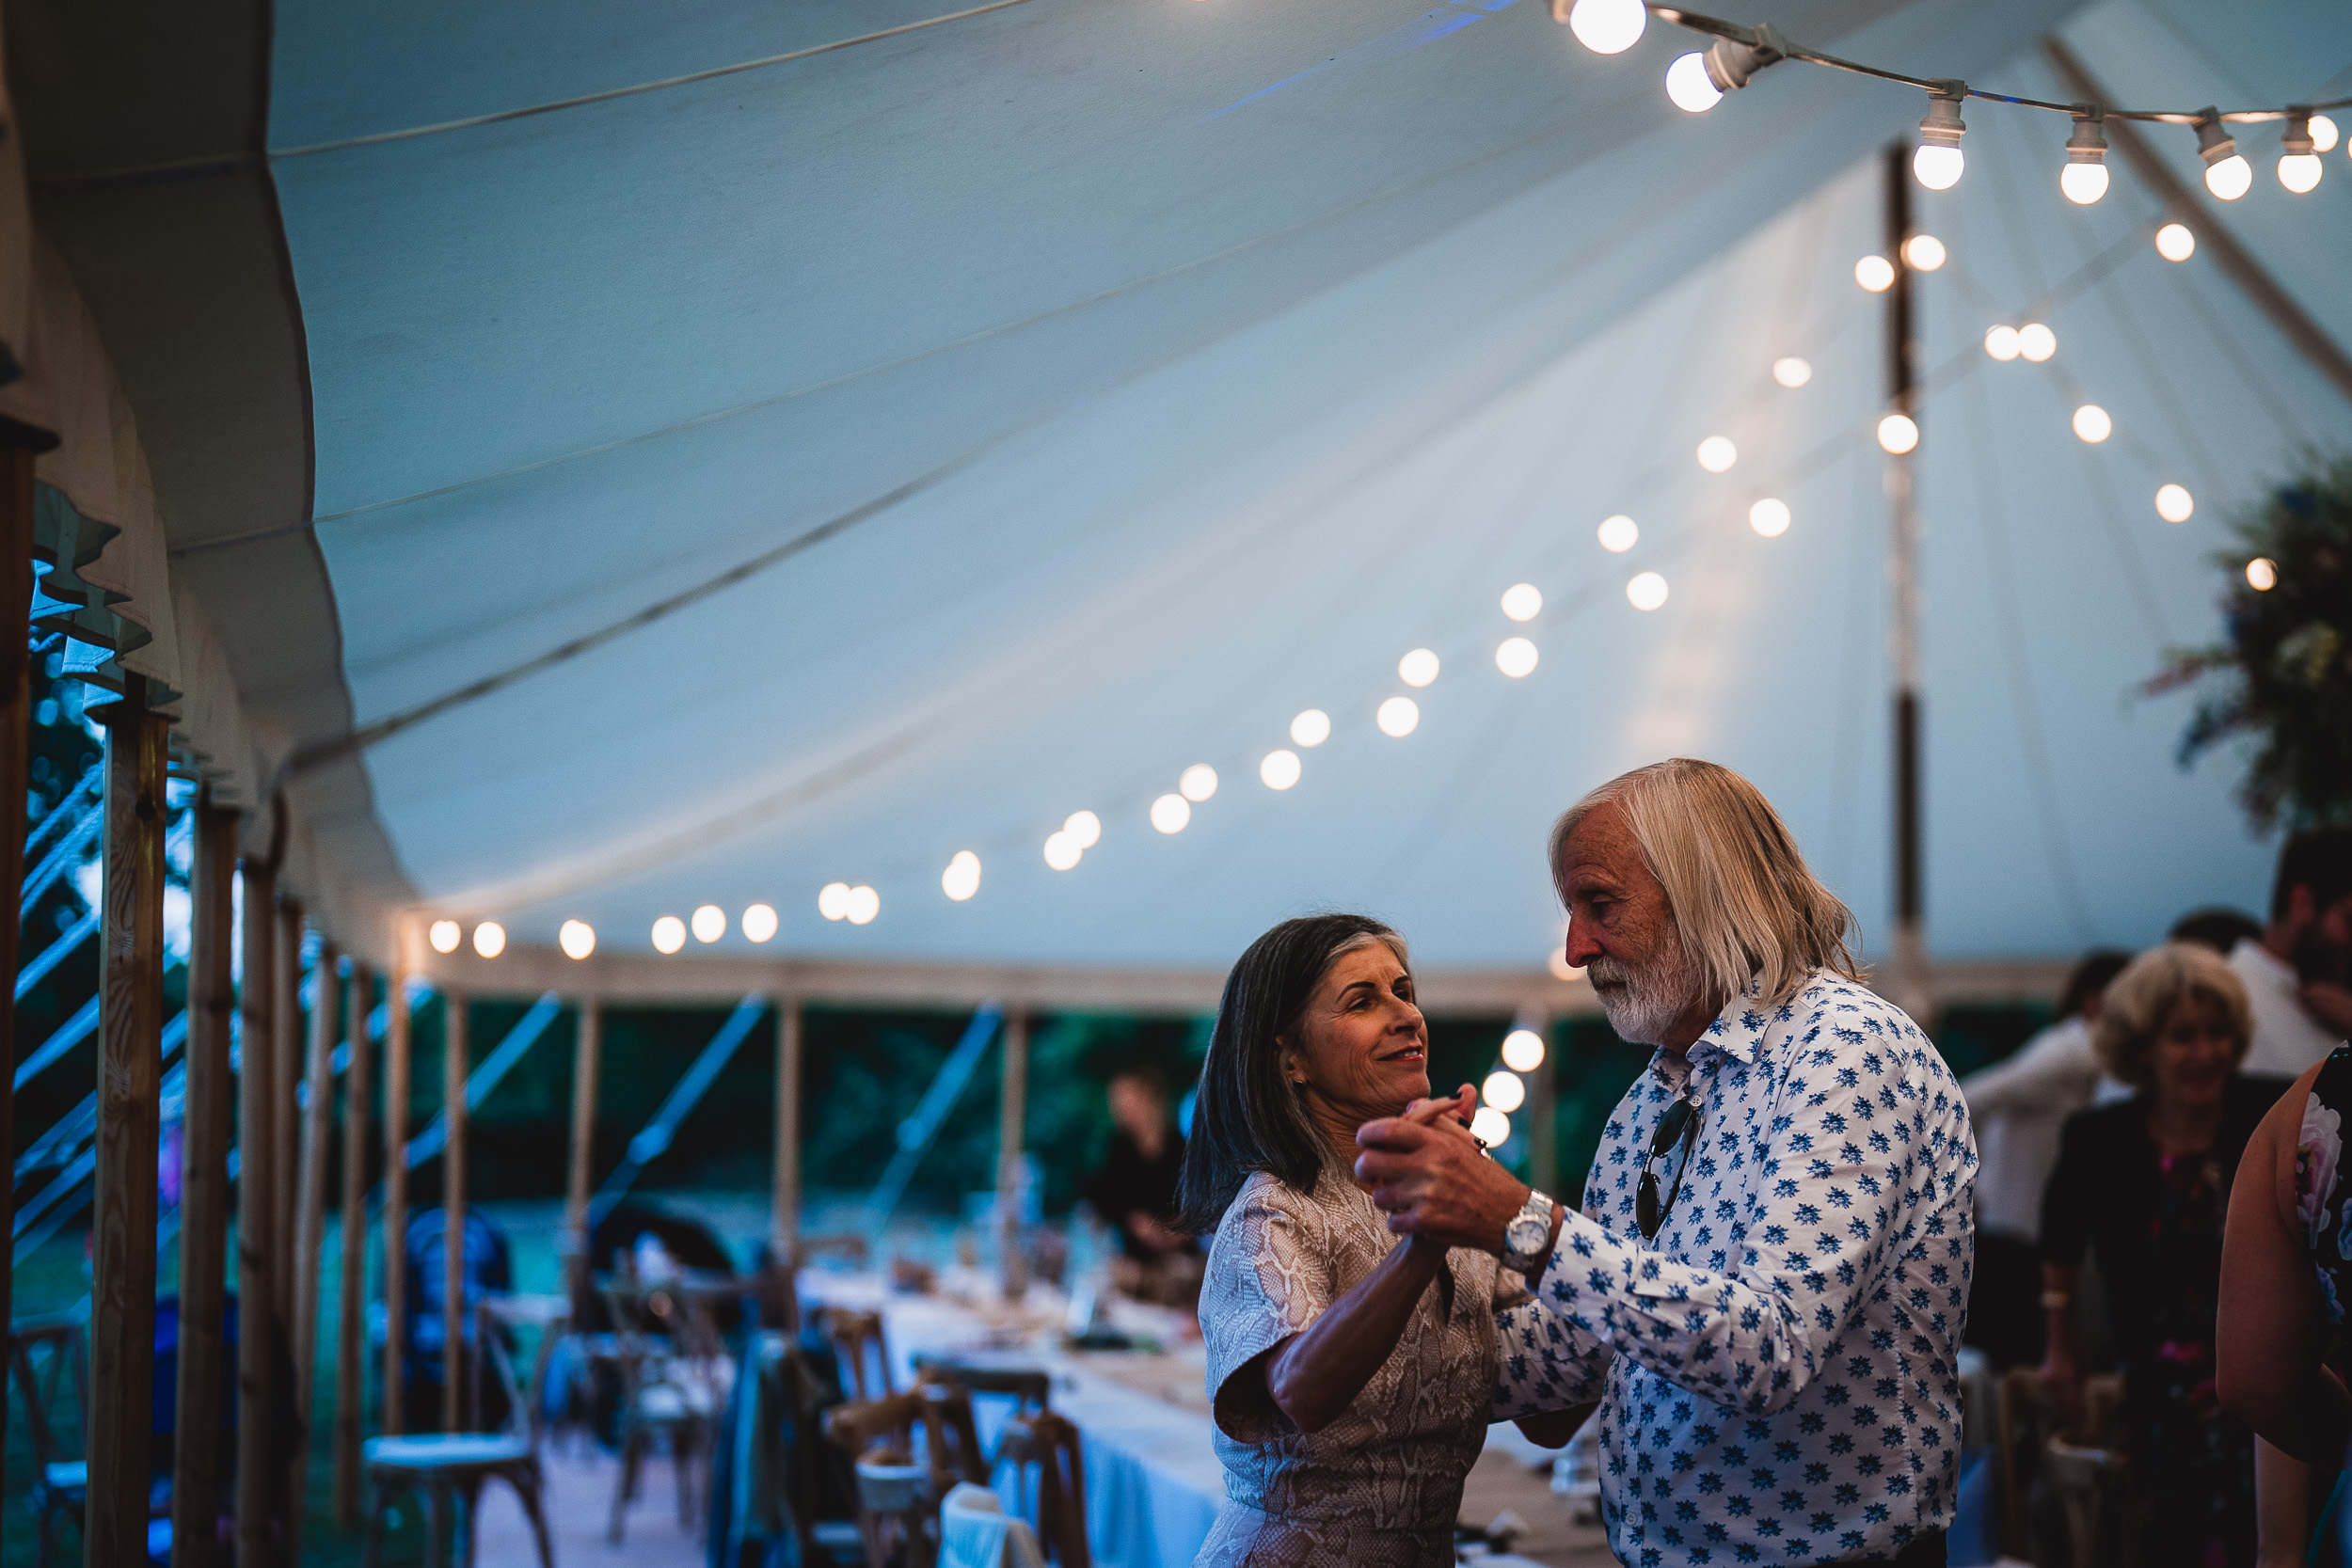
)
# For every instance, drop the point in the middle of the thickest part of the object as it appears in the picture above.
(1435, 1180)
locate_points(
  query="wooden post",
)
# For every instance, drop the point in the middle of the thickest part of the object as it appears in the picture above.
(585, 1061)
(286, 1023)
(1012, 1100)
(16, 695)
(1543, 1120)
(204, 1193)
(1908, 976)
(453, 1064)
(352, 1253)
(130, 1074)
(260, 1175)
(394, 1275)
(784, 1223)
(311, 1220)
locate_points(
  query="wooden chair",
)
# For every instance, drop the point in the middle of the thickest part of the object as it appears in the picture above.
(951, 1440)
(895, 1501)
(456, 1465)
(1030, 1387)
(669, 1400)
(850, 1334)
(60, 1487)
(1050, 1443)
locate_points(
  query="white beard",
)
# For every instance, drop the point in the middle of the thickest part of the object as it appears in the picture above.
(1648, 1002)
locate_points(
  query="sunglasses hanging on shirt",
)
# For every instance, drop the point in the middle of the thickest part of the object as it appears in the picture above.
(1680, 1124)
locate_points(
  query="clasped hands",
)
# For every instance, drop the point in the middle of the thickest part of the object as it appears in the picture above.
(1433, 1179)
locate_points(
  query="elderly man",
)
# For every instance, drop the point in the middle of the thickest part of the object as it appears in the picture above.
(1766, 1285)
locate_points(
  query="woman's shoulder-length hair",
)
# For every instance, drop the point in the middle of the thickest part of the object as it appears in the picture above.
(2136, 1002)
(1246, 1116)
(1746, 905)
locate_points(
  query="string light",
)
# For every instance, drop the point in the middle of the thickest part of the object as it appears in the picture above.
(1939, 161)
(1418, 668)
(1515, 657)
(2084, 179)
(669, 932)
(1557, 961)
(2174, 504)
(1769, 518)
(1608, 26)
(709, 924)
(960, 881)
(1279, 769)
(1490, 1127)
(2324, 134)
(864, 905)
(2299, 156)
(1398, 717)
(759, 920)
(1717, 454)
(2036, 341)
(2092, 424)
(1791, 371)
(1618, 535)
(1647, 591)
(490, 939)
(1083, 827)
(1062, 853)
(576, 937)
(2262, 573)
(2001, 344)
(445, 935)
(1899, 434)
(1687, 84)
(1924, 253)
(1310, 728)
(1522, 601)
(1169, 813)
(1874, 273)
(1504, 1090)
(1522, 1051)
(1198, 782)
(2175, 242)
(833, 902)
(2228, 175)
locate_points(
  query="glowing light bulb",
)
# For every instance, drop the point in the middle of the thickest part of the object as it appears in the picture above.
(1874, 273)
(709, 923)
(1490, 1127)
(2174, 504)
(1608, 26)
(1310, 728)
(1938, 168)
(1418, 668)
(1925, 252)
(2036, 341)
(2092, 424)
(759, 921)
(961, 879)
(2263, 574)
(1278, 770)
(2001, 344)
(1062, 851)
(445, 935)
(669, 932)
(1688, 84)
(490, 939)
(1899, 434)
(2175, 242)
(1769, 518)
(864, 905)
(1083, 827)
(2083, 184)
(1647, 591)
(1618, 535)
(576, 937)
(2299, 172)
(1717, 454)
(1791, 371)
(1561, 969)
(833, 902)
(2324, 134)
(1522, 1051)
(1504, 1091)
(1515, 657)
(1169, 813)
(1522, 601)
(1398, 717)
(2230, 178)
(1198, 782)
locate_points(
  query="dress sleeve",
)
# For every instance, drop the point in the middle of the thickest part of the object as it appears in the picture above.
(1267, 1279)
(2068, 1200)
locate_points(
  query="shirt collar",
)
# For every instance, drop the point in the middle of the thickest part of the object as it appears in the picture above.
(1738, 1030)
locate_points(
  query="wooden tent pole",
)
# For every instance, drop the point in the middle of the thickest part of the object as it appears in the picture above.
(784, 1225)
(352, 1253)
(16, 696)
(259, 1262)
(311, 1222)
(1013, 1102)
(454, 1066)
(204, 1193)
(394, 1273)
(585, 1052)
(130, 1081)
(286, 1024)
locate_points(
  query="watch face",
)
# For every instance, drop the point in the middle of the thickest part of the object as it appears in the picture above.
(1527, 1233)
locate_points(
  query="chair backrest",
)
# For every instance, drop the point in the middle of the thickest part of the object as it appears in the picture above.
(62, 1340)
(891, 1499)
(861, 1424)
(1031, 1386)
(851, 1333)
(497, 1319)
(1051, 1444)
(951, 1439)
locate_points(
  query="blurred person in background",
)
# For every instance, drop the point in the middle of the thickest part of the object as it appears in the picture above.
(2218, 926)
(1134, 1189)
(2298, 973)
(2018, 1106)
(2144, 1184)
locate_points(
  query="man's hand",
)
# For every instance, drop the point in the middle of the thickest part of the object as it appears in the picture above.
(2330, 1004)
(1434, 1181)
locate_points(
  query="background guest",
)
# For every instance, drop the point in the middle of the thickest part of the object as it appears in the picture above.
(2018, 1107)
(2218, 926)
(1134, 1189)
(2144, 1184)
(2298, 975)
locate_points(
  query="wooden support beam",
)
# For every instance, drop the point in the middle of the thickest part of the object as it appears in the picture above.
(1542, 1116)
(1012, 1103)
(585, 1052)
(393, 1275)
(310, 1218)
(204, 1195)
(784, 1217)
(130, 1081)
(287, 1025)
(260, 1262)
(454, 1068)
(351, 1298)
(16, 695)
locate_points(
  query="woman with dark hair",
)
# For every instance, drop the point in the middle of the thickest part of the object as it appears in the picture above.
(1350, 1397)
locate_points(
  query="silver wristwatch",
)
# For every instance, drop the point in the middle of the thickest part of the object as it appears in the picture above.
(1527, 1240)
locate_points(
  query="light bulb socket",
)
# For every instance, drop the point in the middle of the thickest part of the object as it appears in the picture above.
(2089, 144)
(1731, 61)
(1943, 126)
(2297, 143)
(2214, 144)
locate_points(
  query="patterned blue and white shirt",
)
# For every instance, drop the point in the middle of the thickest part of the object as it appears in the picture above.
(1778, 1369)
